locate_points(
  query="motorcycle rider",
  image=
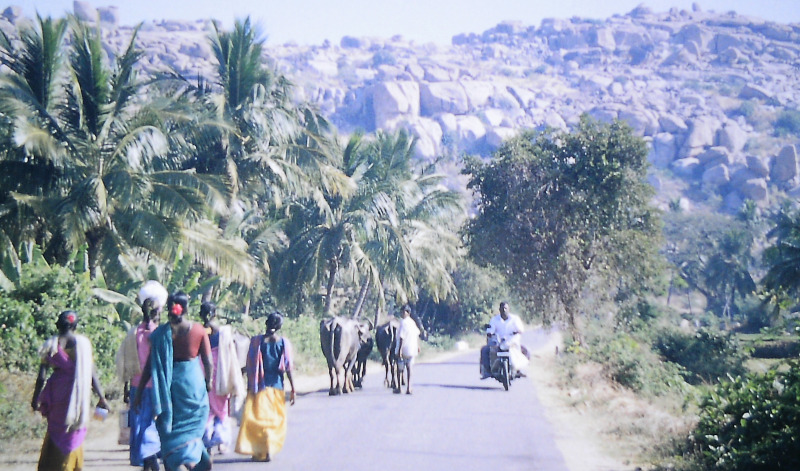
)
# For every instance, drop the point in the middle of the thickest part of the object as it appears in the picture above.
(508, 326)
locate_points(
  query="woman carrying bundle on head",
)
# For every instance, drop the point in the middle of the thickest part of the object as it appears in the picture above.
(263, 428)
(180, 387)
(65, 399)
(131, 359)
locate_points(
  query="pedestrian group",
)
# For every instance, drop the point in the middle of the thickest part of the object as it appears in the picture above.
(180, 379)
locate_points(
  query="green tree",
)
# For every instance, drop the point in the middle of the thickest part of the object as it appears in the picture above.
(782, 258)
(388, 233)
(111, 184)
(414, 246)
(556, 209)
(713, 254)
(243, 123)
(727, 271)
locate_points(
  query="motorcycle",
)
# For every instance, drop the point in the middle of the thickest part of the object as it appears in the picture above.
(500, 360)
(502, 367)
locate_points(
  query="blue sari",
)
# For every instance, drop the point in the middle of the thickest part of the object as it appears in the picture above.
(144, 441)
(180, 401)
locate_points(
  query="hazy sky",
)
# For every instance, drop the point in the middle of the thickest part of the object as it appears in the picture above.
(312, 21)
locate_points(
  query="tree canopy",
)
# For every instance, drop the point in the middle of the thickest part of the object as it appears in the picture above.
(556, 209)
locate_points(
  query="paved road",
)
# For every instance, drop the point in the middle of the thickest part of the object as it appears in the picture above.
(453, 421)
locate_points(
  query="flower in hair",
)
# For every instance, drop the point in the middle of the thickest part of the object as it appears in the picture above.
(71, 318)
(176, 309)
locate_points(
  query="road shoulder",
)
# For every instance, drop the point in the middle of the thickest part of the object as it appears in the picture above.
(577, 432)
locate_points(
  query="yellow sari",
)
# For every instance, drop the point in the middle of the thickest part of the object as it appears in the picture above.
(263, 428)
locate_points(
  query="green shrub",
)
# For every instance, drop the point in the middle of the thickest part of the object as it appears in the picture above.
(632, 364)
(746, 109)
(302, 332)
(788, 123)
(751, 423)
(705, 355)
(28, 316)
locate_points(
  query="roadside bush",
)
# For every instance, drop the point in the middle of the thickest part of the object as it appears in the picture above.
(302, 332)
(751, 423)
(28, 316)
(705, 355)
(632, 364)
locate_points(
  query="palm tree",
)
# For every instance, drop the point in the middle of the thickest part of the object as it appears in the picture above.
(389, 234)
(727, 271)
(243, 123)
(783, 258)
(415, 244)
(112, 184)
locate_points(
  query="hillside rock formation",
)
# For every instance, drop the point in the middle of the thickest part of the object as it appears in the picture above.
(703, 88)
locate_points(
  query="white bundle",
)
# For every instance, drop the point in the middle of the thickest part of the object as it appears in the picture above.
(155, 290)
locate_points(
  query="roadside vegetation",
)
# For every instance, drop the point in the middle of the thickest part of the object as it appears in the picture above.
(678, 325)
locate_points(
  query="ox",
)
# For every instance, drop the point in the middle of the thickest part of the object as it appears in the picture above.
(341, 339)
(360, 369)
(386, 339)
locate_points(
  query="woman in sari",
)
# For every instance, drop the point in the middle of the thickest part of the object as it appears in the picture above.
(131, 358)
(180, 387)
(65, 399)
(226, 379)
(263, 428)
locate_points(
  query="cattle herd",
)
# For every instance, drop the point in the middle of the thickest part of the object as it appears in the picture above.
(347, 343)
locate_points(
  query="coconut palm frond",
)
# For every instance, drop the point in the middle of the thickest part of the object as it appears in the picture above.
(226, 257)
(146, 231)
(138, 148)
(92, 94)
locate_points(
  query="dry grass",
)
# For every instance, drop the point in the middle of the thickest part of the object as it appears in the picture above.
(613, 428)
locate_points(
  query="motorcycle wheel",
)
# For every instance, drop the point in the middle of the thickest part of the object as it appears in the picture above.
(506, 378)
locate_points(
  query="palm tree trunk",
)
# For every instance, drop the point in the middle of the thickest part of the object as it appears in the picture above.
(377, 313)
(93, 252)
(361, 296)
(329, 289)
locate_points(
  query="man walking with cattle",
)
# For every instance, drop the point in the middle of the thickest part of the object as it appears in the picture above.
(407, 347)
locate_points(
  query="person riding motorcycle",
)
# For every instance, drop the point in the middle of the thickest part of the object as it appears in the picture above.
(509, 327)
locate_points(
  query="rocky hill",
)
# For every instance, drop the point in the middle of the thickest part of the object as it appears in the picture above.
(715, 94)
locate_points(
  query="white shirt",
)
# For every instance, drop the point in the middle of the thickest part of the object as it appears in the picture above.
(504, 328)
(409, 334)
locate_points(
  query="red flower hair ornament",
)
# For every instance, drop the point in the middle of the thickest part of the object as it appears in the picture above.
(176, 309)
(71, 318)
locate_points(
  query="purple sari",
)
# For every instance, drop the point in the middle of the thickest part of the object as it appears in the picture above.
(54, 400)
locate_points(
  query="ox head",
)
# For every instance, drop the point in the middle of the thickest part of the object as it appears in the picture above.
(365, 330)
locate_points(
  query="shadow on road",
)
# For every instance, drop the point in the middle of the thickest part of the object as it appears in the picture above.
(459, 386)
(308, 393)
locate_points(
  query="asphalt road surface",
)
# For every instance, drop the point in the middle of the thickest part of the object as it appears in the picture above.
(452, 421)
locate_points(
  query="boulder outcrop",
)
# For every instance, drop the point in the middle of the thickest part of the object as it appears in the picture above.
(703, 88)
